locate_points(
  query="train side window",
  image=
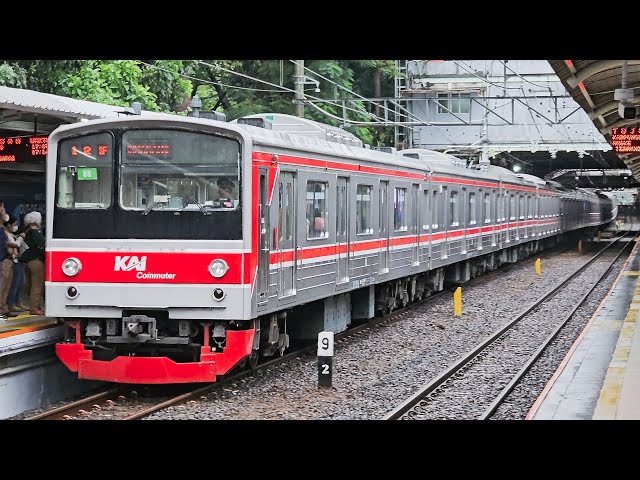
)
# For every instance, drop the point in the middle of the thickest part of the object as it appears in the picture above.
(512, 207)
(85, 173)
(454, 214)
(363, 209)
(289, 208)
(472, 208)
(505, 208)
(285, 212)
(523, 207)
(317, 215)
(487, 208)
(400, 209)
(382, 214)
(280, 217)
(436, 210)
(425, 211)
(341, 199)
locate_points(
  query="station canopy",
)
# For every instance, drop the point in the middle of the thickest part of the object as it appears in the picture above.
(592, 84)
(27, 118)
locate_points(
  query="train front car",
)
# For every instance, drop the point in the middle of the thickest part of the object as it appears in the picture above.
(148, 258)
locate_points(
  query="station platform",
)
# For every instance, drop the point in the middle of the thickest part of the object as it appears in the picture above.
(31, 376)
(599, 378)
(24, 323)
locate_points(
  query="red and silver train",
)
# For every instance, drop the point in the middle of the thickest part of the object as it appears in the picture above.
(179, 248)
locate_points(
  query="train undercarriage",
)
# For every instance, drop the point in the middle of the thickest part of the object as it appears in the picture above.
(151, 348)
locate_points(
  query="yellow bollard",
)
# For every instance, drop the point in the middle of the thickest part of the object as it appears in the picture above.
(538, 267)
(457, 302)
(580, 246)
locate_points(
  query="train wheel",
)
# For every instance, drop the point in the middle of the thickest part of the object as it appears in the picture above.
(254, 356)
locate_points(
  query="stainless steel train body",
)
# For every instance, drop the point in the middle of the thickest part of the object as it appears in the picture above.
(160, 281)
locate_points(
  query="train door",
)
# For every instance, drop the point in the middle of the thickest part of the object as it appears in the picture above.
(445, 221)
(263, 245)
(464, 219)
(287, 234)
(509, 212)
(426, 228)
(499, 216)
(522, 216)
(383, 212)
(493, 217)
(439, 219)
(415, 224)
(537, 214)
(342, 231)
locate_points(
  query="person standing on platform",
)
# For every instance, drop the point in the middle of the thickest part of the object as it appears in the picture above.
(11, 254)
(3, 254)
(34, 258)
(14, 299)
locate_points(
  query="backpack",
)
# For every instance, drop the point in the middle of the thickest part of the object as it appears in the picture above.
(36, 250)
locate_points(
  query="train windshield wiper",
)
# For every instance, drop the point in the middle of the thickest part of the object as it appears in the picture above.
(150, 207)
(202, 209)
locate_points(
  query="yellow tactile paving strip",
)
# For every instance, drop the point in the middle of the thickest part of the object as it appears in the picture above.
(610, 394)
(23, 323)
(536, 405)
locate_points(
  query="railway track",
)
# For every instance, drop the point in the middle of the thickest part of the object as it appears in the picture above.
(136, 402)
(425, 403)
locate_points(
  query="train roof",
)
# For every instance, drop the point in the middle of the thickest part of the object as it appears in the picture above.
(284, 123)
(285, 137)
(295, 134)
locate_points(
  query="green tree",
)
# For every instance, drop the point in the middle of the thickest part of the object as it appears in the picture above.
(169, 85)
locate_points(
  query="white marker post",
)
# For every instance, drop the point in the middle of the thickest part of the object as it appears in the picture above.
(325, 358)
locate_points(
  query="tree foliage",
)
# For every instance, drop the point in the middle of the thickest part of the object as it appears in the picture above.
(267, 86)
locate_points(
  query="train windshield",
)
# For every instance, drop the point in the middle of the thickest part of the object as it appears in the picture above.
(85, 172)
(177, 170)
(159, 170)
(149, 184)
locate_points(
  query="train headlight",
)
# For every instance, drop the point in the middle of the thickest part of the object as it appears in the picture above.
(218, 268)
(71, 266)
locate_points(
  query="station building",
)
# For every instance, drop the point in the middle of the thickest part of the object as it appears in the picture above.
(27, 118)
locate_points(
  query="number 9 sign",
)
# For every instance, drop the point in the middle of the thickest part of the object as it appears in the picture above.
(325, 358)
(325, 344)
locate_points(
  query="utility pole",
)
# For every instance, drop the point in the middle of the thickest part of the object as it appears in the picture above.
(299, 81)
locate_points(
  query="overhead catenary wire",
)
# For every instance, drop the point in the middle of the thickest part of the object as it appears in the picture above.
(468, 68)
(283, 89)
(279, 90)
(211, 82)
(523, 78)
(409, 114)
(382, 121)
(379, 119)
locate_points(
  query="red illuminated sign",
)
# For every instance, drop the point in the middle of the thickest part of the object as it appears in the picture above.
(20, 149)
(155, 149)
(89, 150)
(625, 139)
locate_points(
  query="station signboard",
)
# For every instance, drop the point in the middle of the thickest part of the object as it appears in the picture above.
(23, 149)
(625, 139)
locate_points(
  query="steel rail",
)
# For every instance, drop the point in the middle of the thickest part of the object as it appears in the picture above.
(500, 398)
(408, 404)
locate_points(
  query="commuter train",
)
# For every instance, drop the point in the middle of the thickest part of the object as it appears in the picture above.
(179, 248)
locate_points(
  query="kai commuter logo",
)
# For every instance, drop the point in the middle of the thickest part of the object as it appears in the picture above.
(128, 263)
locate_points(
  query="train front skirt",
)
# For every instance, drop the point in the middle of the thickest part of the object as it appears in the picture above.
(157, 370)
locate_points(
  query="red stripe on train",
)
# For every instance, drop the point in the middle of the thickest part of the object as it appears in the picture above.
(264, 157)
(144, 267)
